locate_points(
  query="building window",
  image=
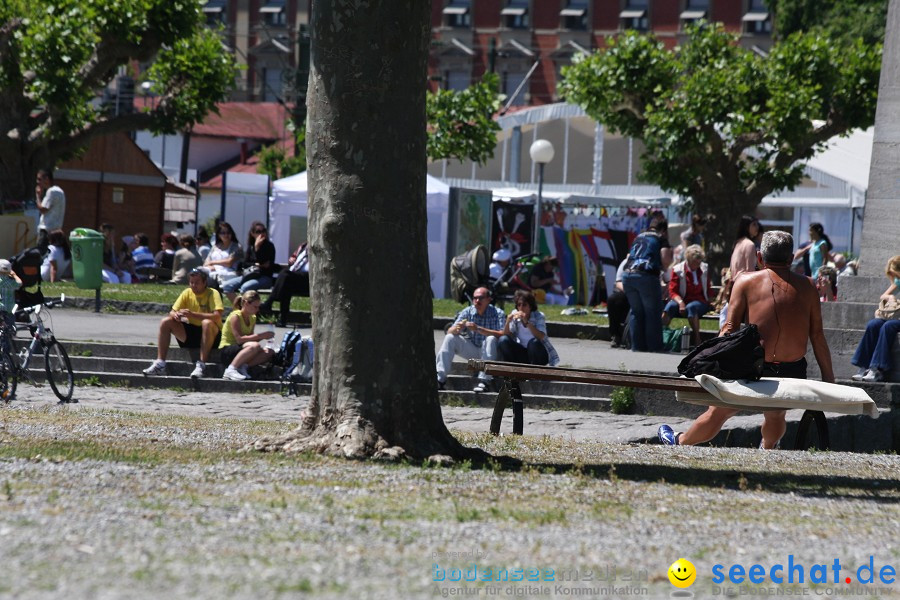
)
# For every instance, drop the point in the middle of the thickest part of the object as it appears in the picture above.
(273, 13)
(575, 15)
(515, 14)
(273, 84)
(510, 83)
(456, 80)
(694, 10)
(757, 20)
(457, 14)
(635, 16)
(215, 12)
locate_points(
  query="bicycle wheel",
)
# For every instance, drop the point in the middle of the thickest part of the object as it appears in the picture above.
(59, 371)
(8, 377)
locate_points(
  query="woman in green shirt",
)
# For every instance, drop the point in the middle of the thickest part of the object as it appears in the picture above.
(239, 348)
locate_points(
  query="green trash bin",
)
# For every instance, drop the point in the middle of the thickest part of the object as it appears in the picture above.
(87, 258)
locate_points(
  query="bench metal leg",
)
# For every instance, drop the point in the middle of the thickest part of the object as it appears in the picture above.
(517, 407)
(802, 442)
(500, 406)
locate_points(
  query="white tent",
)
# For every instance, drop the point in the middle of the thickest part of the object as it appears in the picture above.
(288, 213)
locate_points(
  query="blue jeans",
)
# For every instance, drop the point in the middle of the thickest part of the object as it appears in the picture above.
(696, 308)
(234, 284)
(874, 350)
(645, 297)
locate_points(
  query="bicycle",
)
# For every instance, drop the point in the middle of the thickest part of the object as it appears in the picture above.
(14, 365)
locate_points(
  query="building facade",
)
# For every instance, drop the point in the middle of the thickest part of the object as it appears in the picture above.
(267, 38)
(527, 42)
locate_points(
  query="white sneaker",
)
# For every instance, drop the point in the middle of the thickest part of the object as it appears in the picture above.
(233, 374)
(873, 375)
(859, 374)
(481, 387)
(243, 371)
(157, 368)
(197, 373)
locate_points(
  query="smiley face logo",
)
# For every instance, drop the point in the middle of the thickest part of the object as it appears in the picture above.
(682, 573)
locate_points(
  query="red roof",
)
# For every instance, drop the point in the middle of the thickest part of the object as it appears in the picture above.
(251, 120)
(215, 183)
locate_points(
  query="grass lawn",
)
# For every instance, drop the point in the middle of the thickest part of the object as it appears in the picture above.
(166, 294)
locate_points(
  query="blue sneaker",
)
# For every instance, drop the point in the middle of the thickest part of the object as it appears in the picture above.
(667, 436)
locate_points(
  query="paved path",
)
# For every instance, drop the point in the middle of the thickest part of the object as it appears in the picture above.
(72, 324)
(577, 425)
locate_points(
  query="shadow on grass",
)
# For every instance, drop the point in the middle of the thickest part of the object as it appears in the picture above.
(805, 485)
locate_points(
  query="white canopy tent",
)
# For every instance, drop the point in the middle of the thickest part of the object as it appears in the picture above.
(288, 210)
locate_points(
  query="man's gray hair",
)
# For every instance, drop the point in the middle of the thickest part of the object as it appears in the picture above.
(693, 252)
(777, 247)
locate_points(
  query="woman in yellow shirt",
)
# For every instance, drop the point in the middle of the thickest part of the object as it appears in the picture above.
(239, 348)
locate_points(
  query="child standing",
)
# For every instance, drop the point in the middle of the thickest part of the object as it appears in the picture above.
(9, 283)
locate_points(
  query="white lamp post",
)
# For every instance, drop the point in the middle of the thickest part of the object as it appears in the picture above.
(541, 152)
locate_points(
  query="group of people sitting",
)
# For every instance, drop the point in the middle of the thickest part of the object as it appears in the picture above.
(196, 318)
(484, 331)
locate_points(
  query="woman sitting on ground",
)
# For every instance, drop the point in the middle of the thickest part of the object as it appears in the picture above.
(58, 262)
(873, 355)
(239, 348)
(524, 338)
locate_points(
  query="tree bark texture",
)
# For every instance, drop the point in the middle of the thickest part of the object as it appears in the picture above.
(374, 387)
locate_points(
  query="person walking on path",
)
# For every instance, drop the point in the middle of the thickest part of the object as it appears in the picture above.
(474, 334)
(785, 307)
(51, 203)
(196, 322)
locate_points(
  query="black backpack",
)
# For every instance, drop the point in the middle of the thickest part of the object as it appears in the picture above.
(738, 355)
(27, 265)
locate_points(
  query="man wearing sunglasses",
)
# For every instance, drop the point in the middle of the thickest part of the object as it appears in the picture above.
(474, 334)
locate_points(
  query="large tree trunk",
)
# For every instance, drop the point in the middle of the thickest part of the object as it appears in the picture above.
(721, 230)
(374, 388)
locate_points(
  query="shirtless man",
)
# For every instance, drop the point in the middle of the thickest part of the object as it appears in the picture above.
(785, 307)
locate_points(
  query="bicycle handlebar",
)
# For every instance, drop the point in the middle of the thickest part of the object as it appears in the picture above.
(35, 308)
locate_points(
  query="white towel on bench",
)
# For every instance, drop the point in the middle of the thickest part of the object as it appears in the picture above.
(778, 393)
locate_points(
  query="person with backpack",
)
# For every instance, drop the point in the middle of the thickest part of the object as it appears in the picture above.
(785, 307)
(641, 283)
(240, 348)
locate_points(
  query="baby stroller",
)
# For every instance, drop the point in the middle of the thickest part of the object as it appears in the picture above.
(468, 271)
(27, 265)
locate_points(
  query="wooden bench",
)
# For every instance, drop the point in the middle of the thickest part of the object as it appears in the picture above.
(512, 373)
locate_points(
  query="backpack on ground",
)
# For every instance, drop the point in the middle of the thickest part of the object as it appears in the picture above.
(738, 355)
(295, 357)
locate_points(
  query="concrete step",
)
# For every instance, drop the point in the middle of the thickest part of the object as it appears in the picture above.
(862, 288)
(849, 315)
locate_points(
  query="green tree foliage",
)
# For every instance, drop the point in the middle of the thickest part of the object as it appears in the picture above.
(58, 56)
(722, 124)
(844, 20)
(275, 162)
(461, 124)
